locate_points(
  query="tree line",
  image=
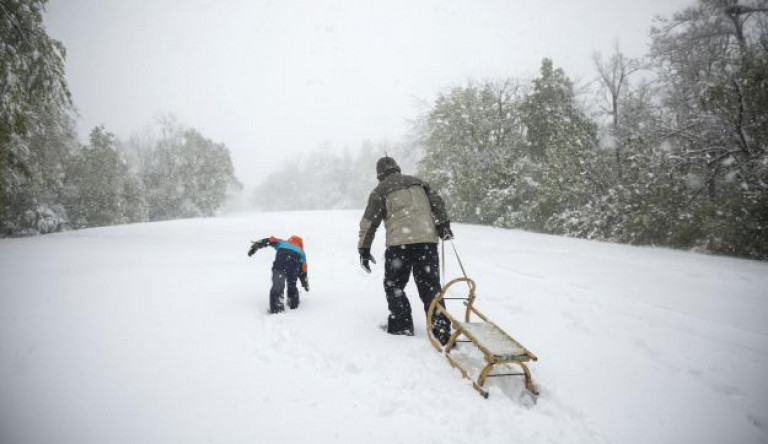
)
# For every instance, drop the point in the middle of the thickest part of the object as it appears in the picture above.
(327, 178)
(678, 157)
(49, 181)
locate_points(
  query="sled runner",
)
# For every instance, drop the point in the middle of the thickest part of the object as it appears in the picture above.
(498, 348)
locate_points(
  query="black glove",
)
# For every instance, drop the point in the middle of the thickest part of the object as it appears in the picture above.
(365, 256)
(256, 245)
(444, 231)
(304, 281)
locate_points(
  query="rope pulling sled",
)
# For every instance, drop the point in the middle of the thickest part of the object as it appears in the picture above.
(498, 347)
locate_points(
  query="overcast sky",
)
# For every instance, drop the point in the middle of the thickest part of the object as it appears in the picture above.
(275, 79)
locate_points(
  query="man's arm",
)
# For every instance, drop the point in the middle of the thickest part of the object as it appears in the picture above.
(437, 205)
(372, 217)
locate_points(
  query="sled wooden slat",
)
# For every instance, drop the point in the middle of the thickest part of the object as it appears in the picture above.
(497, 347)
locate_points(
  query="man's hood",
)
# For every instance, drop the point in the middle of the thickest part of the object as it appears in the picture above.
(386, 166)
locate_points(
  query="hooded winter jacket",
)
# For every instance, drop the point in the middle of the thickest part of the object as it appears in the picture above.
(409, 208)
(289, 251)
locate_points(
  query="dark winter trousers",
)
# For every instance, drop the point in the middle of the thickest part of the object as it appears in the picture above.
(279, 280)
(285, 270)
(421, 259)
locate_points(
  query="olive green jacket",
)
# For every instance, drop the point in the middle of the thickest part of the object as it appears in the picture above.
(409, 208)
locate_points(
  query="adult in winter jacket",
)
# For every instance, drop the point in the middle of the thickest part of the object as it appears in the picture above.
(415, 219)
(290, 264)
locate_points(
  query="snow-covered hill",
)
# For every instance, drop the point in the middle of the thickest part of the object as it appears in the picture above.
(157, 333)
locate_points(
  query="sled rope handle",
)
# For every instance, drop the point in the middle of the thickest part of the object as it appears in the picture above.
(442, 261)
(458, 259)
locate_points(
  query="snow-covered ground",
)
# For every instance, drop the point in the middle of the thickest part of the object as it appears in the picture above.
(158, 333)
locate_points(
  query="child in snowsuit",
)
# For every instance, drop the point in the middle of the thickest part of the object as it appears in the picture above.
(290, 264)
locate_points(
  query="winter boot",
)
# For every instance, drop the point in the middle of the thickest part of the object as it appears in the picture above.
(441, 328)
(399, 326)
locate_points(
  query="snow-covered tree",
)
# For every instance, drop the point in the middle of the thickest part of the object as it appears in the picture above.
(613, 76)
(712, 59)
(505, 155)
(32, 86)
(36, 130)
(34, 188)
(186, 175)
(563, 138)
(471, 138)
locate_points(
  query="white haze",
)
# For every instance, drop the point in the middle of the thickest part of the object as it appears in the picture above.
(275, 79)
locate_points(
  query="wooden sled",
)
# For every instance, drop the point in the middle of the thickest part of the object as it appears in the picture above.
(495, 344)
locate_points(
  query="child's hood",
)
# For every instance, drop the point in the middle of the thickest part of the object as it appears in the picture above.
(296, 240)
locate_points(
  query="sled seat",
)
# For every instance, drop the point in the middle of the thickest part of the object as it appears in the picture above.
(497, 347)
(494, 340)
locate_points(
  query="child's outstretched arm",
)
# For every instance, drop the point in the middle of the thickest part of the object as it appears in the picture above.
(257, 245)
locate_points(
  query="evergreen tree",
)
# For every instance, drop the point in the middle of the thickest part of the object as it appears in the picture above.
(35, 126)
(33, 89)
(564, 141)
(102, 189)
(36, 186)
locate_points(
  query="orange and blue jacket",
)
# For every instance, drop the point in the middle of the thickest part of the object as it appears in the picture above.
(294, 244)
